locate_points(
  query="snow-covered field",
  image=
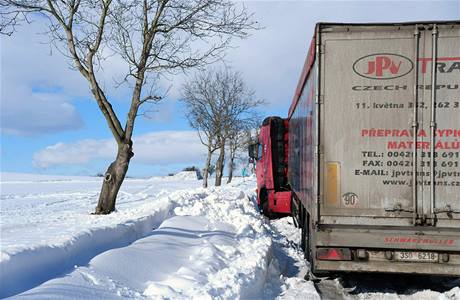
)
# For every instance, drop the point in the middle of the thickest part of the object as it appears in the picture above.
(169, 239)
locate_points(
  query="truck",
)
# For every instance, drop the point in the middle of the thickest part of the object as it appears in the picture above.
(270, 154)
(374, 148)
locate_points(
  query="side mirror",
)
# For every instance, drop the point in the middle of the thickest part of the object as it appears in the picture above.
(252, 151)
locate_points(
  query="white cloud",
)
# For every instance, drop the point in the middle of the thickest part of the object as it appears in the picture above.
(36, 87)
(29, 60)
(271, 59)
(24, 112)
(29, 66)
(156, 148)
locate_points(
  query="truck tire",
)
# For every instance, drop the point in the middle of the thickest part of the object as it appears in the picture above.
(265, 209)
(263, 205)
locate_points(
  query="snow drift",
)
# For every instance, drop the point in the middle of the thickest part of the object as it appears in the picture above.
(169, 239)
(163, 242)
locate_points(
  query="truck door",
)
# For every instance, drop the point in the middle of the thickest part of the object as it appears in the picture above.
(367, 82)
(438, 161)
(390, 125)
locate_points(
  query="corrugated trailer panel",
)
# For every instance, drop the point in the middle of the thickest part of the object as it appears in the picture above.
(302, 122)
(368, 124)
(359, 99)
(446, 143)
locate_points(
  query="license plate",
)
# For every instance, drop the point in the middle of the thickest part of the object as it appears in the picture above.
(416, 256)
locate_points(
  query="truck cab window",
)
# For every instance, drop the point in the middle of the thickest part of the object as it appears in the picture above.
(260, 150)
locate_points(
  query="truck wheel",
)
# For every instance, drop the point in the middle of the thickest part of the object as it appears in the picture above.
(263, 206)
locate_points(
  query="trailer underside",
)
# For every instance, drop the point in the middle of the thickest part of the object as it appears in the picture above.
(388, 250)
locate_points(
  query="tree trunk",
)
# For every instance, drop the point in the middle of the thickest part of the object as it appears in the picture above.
(232, 158)
(220, 166)
(113, 179)
(206, 168)
(233, 148)
(230, 170)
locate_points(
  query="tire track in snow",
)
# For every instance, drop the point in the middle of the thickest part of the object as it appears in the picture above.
(287, 266)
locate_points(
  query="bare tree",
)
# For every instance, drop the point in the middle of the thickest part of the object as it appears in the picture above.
(150, 36)
(202, 112)
(235, 141)
(217, 102)
(239, 114)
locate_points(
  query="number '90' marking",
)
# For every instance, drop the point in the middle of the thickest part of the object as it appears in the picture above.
(350, 199)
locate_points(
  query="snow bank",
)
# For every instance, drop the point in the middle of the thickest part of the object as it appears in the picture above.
(29, 267)
(170, 239)
(240, 262)
(210, 244)
(46, 226)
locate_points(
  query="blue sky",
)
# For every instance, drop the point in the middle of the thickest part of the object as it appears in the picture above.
(50, 124)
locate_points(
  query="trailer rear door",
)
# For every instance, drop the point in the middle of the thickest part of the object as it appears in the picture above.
(376, 125)
(439, 183)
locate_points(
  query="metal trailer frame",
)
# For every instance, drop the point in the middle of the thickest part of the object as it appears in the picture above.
(369, 246)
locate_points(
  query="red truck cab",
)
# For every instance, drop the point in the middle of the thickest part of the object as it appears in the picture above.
(270, 153)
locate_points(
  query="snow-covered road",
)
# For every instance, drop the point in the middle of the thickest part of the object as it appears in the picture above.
(169, 239)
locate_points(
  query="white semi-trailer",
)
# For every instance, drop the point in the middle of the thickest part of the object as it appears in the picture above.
(374, 148)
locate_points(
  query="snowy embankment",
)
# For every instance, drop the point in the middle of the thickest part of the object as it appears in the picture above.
(46, 226)
(168, 239)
